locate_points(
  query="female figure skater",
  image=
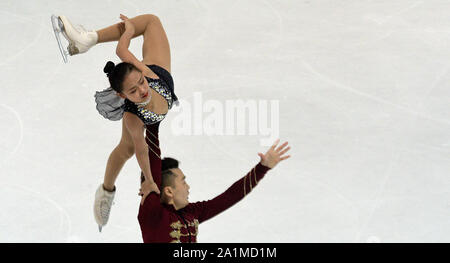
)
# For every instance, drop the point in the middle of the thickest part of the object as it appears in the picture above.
(141, 94)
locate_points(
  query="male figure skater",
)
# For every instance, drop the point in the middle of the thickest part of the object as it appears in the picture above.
(169, 217)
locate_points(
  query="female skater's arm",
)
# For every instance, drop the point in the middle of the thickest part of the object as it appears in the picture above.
(136, 128)
(124, 43)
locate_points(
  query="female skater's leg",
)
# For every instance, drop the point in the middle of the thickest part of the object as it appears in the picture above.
(156, 48)
(113, 32)
(104, 195)
(81, 40)
(118, 157)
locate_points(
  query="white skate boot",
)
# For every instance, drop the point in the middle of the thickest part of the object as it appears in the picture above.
(80, 40)
(102, 206)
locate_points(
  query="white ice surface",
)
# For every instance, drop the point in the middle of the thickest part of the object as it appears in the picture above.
(364, 101)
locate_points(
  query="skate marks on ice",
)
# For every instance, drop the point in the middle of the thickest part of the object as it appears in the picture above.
(32, 216)
(397, 151)
(350, 89)
(383, 20)
(395, 158)
(204, 22)
(273, 17)
(210, 19)
(16, 49)
(11, 134)
(280, 32)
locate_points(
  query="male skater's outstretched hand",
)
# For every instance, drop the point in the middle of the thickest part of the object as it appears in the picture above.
(275, 154)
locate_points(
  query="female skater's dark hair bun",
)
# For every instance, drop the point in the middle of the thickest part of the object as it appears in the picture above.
(117, 73)
(109, 67)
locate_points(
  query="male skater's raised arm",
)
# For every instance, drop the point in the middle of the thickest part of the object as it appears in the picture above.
(207, 209)
(174, 219)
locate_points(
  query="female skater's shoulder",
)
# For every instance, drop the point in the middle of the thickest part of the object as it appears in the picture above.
(134, 125)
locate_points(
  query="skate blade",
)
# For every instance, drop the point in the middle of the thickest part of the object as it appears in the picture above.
(57, 29)
(63, 29)
(72, 49)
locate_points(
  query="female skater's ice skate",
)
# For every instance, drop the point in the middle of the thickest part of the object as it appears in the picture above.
(102, 206)
(80, 39)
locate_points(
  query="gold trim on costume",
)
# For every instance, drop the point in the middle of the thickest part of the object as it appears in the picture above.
(249, 174)
(152, 134)
(250, 180)
(155, 153)
(146, 139)
(177, 226)
(245, 179)
(151, 142)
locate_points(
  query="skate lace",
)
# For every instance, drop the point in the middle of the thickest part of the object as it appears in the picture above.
(105, 208)
(80, 28)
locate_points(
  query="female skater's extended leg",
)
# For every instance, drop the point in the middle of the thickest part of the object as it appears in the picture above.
(104, 195)
(155, 49)
(118, 157)
(113, 32)
(81, 40)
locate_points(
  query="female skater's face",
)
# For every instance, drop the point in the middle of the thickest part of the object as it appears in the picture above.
(135, 87)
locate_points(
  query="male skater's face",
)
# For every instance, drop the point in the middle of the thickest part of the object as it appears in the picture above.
(180, 191)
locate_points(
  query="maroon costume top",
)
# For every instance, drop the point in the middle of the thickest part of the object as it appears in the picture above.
(162, 223)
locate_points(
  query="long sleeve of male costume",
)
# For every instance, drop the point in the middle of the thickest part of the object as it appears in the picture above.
(207, 209)
(154, 152)
(152, 205)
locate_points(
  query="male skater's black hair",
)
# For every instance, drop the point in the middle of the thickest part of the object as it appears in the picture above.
(167, 176)
(168, 163)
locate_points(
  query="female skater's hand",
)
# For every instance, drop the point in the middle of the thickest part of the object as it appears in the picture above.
(274, 155)
(129, 27)
(146, 188)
